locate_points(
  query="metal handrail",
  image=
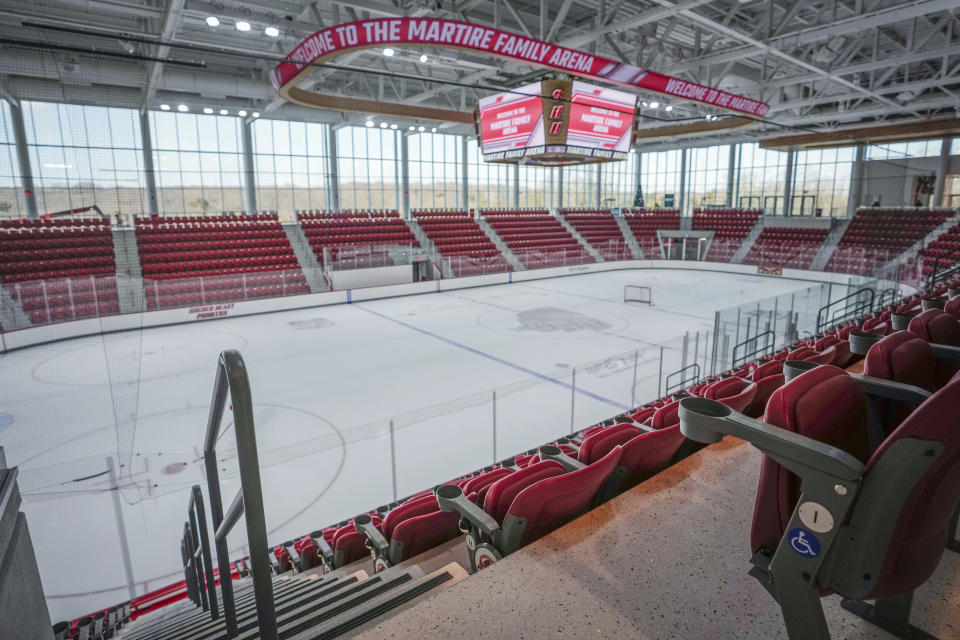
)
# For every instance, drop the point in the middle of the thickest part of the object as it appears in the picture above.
(767, 348)
(198, 522)
(683, 380)
(232, 377)
(853, 308)
(886, 298)
(954, 260)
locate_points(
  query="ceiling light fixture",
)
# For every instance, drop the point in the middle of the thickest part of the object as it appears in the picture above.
(223, 112)
(383, 125)
(165, 107)
(255, 114)
(434, 130)
(213, 21)
(182, 107)
(654, 105)
(669, 107)
(273, 32)
(369, 123)
(410, 128)
(423, 57)
(421, 128)
(207, 110)
(388, 52)
(393, 126)
(242, 113)
(243, 26)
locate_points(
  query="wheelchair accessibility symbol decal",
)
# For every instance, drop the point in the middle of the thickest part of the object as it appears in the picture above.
(804, 542)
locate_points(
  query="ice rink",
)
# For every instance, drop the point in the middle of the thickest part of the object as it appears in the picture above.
(327, 382)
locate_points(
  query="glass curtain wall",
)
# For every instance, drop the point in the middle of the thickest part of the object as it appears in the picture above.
(368, 164)
(821, 180)
(761, 179)
(435, 171)
(534, 187)
(707, 172)
(198, 163)
(618, 182)
(290, 163)
(660, 177)
(490, 184)
(83, 156)
(11, 193)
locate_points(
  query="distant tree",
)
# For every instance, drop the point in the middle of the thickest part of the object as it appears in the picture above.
(201, 204)
(5, 206)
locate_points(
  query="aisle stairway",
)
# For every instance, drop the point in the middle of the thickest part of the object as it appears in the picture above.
(308, 606)
(307, 259)
(593, 251)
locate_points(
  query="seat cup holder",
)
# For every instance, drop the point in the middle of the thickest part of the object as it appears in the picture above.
(549, 450)
(952, 293)
(900, 321)
(448, 496)
(933, 303)
(860, 342)
(700, 418)
(794, 368)
(60, 630)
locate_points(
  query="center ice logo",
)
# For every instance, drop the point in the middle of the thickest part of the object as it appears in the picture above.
(549, 319)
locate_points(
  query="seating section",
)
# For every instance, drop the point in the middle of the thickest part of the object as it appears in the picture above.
(458, 236)
(730, 227)
(59, 269)
(538, 238)
(945, 248)
(356, 239)
(191, 261)
(601, 231)
(645, 222)
(786, 247)
(877, 235)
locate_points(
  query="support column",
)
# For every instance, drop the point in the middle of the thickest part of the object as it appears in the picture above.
(942, 170)
(396, 170)
(788, 185)
(559, 188)
(333, 174)
(516, 186)
(150, 178)
(23, 159)
(736, 197)
(464, 173)
(681, 197)
(599, 183)
(637, 174)
(732, 170)
(249, 177)
(856, 181)
(404, 178)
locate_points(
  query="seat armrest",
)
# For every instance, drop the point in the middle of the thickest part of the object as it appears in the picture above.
(946, 352)
(450, 498)
(323, 547)
(364, 525)
(550, 452)
(890, 390)
(708, 421)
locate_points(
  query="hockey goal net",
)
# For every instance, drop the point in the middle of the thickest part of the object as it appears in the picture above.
(638, 293)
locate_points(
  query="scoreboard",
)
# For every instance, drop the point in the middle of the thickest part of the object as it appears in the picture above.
(557, 122)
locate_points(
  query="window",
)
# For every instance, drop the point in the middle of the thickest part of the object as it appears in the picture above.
(707, 172)
(11, 192)
(435, 168)
(490, 183)
(903, 150)
(761, 179)
(660, 178)
(821, 180)
(534, 186)
(83, 156)
(618, 182)
(290, 163)
(198, 163)
(580, 186)
(369, 169)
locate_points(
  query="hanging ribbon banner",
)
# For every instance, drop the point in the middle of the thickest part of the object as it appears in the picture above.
(335, 41)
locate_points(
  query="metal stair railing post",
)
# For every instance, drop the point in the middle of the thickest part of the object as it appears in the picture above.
(684, 381)
(758, 349)
(232, 377)
(853, 307)
(196, 509)
(195, 549)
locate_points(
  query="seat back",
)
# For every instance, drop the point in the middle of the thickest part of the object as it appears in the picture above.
(648, 454)
(666, 416)
(765, 389)
(902, 357)
(419, 533)
(937, 326)
(409, 509)
(767, 369)
(953, 307)
(734, 392)
(551, 503)
(825, 404)
(501, 493)
(919, 534)
(602, 442)
(476, 483)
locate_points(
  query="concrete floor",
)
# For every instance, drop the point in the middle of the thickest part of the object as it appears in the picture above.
(667, 560)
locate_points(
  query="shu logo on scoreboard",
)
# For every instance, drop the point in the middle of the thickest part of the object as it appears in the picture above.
(556, 112)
